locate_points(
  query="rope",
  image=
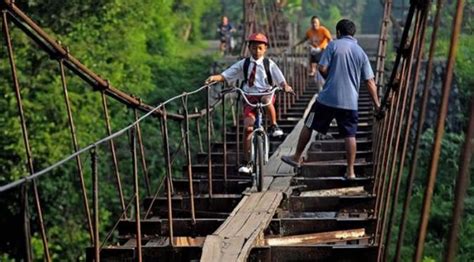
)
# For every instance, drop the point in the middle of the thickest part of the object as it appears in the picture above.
(105, 139)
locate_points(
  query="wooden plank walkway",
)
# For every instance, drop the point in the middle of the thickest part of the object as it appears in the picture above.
(243, 229)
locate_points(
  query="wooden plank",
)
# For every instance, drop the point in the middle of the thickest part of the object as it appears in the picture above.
(253, 239)
(285, 169)
(267, 181)
(156, 242)
(280, 184)
(231, 249)
(241, 231)
(130, 243)
(188, 241)
(239, 214)
(316, 238)
(212, 248)
(335, 192)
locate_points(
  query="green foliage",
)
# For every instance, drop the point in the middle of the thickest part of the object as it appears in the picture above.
(441, 209)
(150, 49)
(363, 13)
(443, 195)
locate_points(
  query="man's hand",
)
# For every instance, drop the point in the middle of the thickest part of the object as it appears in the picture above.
(377, 106)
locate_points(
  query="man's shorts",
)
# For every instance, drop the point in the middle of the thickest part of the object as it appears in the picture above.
(315, 56)
(321, 116)
(250, 111)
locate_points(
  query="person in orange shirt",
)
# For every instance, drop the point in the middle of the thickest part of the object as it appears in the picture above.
(318, 38)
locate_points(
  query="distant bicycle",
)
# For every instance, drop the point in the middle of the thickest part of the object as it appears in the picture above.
(225, 30)
(260, 146)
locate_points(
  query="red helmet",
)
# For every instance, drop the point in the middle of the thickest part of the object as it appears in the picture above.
(258, 37)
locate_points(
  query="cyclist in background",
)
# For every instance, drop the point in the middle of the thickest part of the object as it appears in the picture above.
(225, 30)
(259, 74)
(318, 38)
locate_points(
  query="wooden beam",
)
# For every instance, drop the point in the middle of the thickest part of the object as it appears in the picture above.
(358, 190)
(316, 238)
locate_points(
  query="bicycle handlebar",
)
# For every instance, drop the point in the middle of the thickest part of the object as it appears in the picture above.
(245, 94)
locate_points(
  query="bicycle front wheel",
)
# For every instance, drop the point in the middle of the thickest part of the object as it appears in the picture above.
(259, 161)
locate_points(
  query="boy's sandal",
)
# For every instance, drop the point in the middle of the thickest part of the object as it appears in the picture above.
(291, 162)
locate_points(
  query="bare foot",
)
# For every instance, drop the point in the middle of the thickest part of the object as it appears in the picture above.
(350, 177)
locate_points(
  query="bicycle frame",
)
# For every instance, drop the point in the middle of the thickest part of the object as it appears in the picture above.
(259, 130)
(260, 147)
(258, 126)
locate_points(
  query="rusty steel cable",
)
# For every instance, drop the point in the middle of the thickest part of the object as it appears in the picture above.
(113, 153)
(419, 128)
(209, 146)
(76, 148)
(187, 145)
(406, 135)
(439, 132)
(142, 155)
(224, 138)
(112, 230)
(26, 222)
(136, 192)
(416, 49)
(95, 201)
(167, 158)
(462, 184)
(390, 138)
(26, 142)
(384, 156)
(382, 190)
(66, 60)
(96, 143)
(382, 47)
(380, 70)
(398, 58)
(155, 196)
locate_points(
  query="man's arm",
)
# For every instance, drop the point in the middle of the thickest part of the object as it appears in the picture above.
(301, 41)
(323, 70)
(372, 87)
(305, 38)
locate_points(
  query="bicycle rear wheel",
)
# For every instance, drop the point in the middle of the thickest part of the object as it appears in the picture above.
(259, 161)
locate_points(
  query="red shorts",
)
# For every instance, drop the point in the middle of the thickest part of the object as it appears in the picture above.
(250, 111)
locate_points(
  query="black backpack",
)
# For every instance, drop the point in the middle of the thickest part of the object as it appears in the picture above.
(266, 64)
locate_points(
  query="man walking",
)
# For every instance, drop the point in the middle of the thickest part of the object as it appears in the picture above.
(343, 63)
(318, 38)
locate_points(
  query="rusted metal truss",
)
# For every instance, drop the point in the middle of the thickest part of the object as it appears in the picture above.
(209, 188)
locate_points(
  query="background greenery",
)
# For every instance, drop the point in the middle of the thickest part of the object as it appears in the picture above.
(153, 49)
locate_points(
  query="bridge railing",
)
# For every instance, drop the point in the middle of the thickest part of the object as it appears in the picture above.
(184, 131)
(393, 131)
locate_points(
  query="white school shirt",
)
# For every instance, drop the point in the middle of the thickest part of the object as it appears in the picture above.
(236, 71)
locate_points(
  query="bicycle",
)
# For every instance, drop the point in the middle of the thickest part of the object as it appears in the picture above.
(260, 145)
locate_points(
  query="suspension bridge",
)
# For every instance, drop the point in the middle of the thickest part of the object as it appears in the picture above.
(202, 209)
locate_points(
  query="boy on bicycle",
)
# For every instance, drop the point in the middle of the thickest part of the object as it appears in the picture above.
(258, 74)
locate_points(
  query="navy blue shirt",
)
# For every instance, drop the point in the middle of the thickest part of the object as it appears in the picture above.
(347, 63)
